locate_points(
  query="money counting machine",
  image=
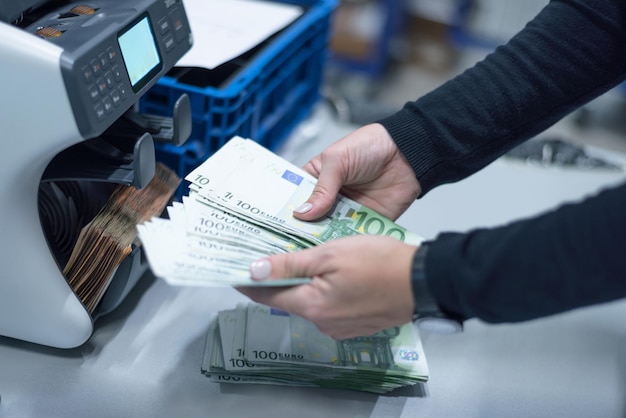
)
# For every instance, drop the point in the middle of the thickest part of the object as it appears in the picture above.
(70, 80)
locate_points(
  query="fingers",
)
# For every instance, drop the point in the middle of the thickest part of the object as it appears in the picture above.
(286, 298)
(289, 298)
(324, 194)
(298, 264)
(356, 160)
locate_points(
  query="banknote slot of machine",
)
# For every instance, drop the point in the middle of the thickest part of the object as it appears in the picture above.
(72, 74)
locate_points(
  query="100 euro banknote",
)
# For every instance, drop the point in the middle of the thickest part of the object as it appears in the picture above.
(258, 344)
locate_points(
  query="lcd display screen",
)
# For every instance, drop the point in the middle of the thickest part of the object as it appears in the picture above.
(140, 53)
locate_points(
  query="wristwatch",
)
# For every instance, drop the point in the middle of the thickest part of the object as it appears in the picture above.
(428, 315)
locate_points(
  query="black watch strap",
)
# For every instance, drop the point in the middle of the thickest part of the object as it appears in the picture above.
(428, 314)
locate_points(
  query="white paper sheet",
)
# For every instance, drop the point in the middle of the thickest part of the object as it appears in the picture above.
(224, 29)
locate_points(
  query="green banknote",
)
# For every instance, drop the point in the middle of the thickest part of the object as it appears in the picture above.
(273, 335)
(258, 344)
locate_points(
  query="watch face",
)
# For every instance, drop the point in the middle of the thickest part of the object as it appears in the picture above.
(439, 325)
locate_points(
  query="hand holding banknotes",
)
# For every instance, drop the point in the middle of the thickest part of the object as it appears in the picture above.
(365, 166)
(361, 284)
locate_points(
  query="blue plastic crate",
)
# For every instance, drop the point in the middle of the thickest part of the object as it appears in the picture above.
(262, 95)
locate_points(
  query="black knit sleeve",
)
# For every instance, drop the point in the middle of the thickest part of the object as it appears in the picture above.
(567, 258)
(573, 51)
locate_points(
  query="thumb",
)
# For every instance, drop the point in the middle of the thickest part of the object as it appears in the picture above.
(323, 197)
(291, 298)
(280, 266)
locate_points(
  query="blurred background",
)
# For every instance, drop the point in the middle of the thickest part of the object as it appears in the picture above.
(386, 52)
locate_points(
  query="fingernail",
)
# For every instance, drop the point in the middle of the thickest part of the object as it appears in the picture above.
(260, 269)
(304, 208)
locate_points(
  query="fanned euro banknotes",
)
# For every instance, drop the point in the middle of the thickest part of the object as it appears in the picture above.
(258, 344)
(239, 209)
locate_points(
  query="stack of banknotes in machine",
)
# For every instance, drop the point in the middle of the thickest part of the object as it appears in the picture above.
(259, 344)
(240, 208)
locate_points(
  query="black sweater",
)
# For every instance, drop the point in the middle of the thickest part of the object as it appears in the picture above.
(572, 52)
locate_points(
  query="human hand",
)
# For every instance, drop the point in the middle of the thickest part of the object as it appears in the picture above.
(366, 166)
(361, 284)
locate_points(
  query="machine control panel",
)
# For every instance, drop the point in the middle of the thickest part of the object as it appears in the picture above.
(113, 52)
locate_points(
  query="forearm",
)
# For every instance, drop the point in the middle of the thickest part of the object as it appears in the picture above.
(565, 259)
(571, 53)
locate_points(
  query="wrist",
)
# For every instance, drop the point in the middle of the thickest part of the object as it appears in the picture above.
(428, 315)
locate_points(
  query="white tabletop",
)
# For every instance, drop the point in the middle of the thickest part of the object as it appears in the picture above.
(144, 359)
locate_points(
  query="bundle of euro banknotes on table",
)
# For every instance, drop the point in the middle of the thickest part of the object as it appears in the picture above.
(240, 208)
(258, 344)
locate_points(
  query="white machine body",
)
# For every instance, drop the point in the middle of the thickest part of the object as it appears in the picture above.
(39, 118)
(36, 122)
